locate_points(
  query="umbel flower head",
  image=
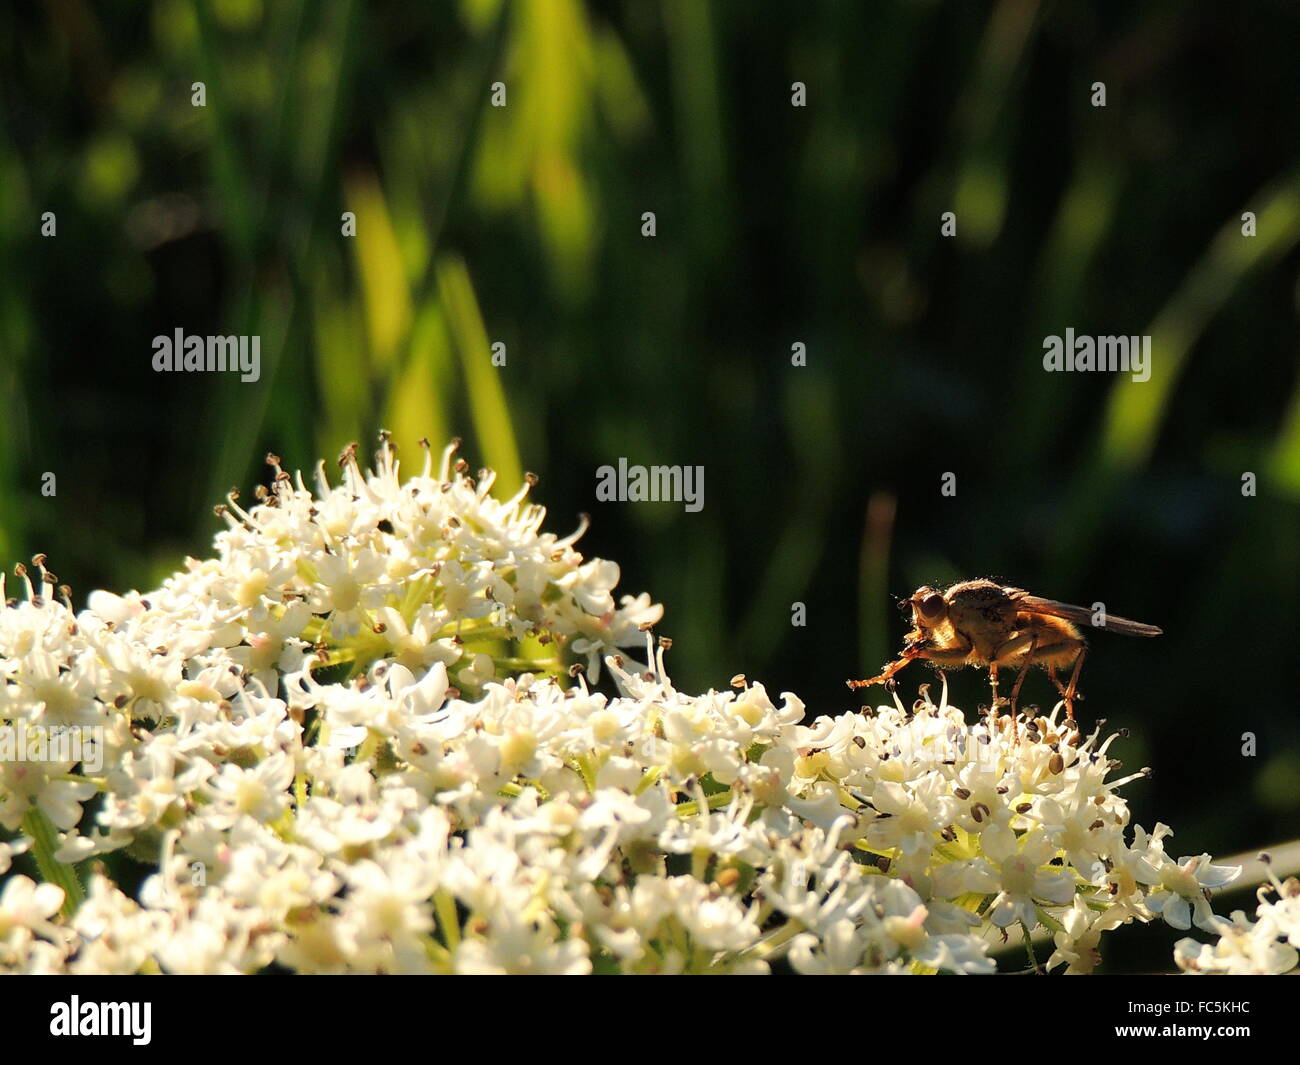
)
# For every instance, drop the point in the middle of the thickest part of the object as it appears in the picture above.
(365, 737)
(1264, 946)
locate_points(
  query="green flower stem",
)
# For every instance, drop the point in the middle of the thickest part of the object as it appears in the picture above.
(774, 941)
(587, 771)
(418, 592)
(700, 863)
(45, 841)
(438, 954)
(445, 907)
(721, 799)
(649, 779)
(715, 802)
(1029, 947)
(544, 666)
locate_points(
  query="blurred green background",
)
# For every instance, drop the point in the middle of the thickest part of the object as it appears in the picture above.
(776, 225)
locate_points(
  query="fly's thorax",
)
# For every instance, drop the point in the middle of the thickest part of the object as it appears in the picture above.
(982, 612)
(972, 593)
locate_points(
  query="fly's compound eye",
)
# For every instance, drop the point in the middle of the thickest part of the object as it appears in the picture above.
(932, 607)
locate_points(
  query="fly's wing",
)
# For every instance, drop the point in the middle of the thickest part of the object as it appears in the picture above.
(1036, 604)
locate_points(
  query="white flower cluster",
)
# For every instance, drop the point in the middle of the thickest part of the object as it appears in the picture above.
(357, 741)
(995, 828)
(1265, 946)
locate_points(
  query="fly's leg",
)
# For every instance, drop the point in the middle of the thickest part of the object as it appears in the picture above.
(1074, 682)
(893, 667)
(1068, 693)
(1004, 655)
(942, 657)
(1015, 692)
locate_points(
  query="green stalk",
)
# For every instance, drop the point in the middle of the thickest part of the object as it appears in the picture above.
(45, 841)
(1029, 948)
(448, 921)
